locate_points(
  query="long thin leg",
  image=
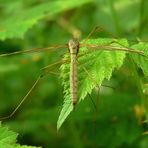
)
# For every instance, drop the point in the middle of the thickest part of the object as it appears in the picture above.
(104, 85)
(94, 47)
(30, 90)
(24, 98)
(95, 29)
(51, 48)
(51, 65)
(90, 34)
(95, 106)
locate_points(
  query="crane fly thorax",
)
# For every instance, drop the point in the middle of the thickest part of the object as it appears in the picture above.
(73, 46)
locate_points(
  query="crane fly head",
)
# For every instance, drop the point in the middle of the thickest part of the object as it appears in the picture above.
(73, 46)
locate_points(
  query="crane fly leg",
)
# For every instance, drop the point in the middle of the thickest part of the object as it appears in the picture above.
(91, 33)
(24, 98)
(31, 89)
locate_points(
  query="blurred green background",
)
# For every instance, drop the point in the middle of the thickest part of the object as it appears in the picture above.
(120, 111)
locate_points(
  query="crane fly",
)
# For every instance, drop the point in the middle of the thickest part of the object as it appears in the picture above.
(74, 46)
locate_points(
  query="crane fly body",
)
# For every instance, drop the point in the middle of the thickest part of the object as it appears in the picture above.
(73, 46)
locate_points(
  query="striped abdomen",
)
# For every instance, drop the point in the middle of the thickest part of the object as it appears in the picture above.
(73, 48)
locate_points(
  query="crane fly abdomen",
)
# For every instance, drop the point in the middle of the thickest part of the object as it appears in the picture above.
(73, 46)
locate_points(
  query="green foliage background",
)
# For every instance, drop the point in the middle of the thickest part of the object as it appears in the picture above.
(41, 23)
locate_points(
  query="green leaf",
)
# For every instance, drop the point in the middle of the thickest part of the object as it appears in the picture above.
(141, 62)
(8, 139)
(22, 19)
(7, 136)
(93, 67)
